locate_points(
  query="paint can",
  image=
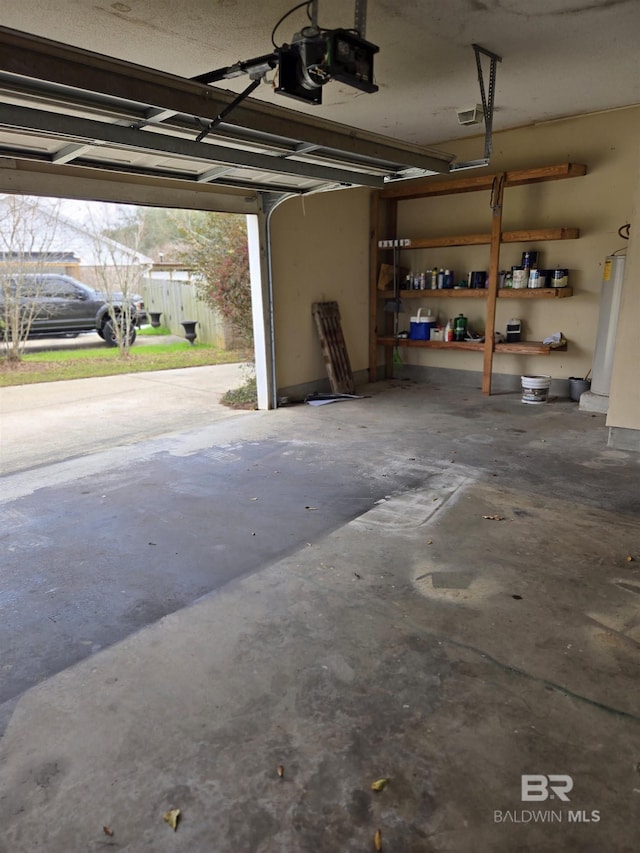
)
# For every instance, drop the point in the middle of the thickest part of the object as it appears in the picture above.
(535, 279)
(520, 278)
(535, 389)
(478, 279)
(559, 277)
(544, 277)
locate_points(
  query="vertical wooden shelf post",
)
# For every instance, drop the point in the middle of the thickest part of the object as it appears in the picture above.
(374, 236)
(390, 319)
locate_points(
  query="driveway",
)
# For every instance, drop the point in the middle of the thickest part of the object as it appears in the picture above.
(52, 421)
(91, 340)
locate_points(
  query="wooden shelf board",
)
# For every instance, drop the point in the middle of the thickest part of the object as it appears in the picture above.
(472, 293)
(535, 293)
(463, 293)
(540, 234)
(520, 348)
(528, 348)
(476, 346)
(532, 235)
(515, 178)
(454, 240)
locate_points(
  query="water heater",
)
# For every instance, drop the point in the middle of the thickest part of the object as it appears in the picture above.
(607, 324)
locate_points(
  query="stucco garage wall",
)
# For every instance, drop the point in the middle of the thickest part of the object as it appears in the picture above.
(320, 252)
(598, 204)
(624, 402)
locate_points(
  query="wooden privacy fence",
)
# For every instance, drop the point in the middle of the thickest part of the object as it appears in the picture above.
(177, 300)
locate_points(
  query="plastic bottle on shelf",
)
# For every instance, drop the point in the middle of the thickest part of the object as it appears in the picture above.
(432, 322)
(448, 330)
(440, 279)
(434, 278)
(460, 328)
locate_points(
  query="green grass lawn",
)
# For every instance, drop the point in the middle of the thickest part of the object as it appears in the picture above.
(85, 363)
(154, 331)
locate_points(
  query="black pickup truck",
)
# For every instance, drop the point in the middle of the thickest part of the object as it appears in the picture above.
(61, 306)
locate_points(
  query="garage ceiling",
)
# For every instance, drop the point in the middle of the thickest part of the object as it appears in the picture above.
(560, 57)
(64, 105)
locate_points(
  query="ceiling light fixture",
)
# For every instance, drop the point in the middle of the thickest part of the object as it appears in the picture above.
(471, 115)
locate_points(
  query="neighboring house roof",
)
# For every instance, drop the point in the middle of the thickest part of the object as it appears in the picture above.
(45, 230)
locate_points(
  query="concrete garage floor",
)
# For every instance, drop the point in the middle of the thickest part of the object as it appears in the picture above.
(391, 631)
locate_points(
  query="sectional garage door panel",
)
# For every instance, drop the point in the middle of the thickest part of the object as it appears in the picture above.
(65, 106)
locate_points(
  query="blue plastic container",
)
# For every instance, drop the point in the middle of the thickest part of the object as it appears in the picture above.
(420, 327)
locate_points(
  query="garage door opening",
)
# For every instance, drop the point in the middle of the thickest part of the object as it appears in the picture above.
(199, 274)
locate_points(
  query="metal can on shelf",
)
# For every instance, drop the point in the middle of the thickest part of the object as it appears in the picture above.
(478, 279)
(559, 277)
(535, 279)
(520, 278)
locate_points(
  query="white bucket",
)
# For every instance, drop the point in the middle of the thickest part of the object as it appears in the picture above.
(535, 389)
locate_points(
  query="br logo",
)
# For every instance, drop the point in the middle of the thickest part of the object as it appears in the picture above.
(537, 788)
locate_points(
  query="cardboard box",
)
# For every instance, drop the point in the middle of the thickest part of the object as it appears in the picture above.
(385, 278)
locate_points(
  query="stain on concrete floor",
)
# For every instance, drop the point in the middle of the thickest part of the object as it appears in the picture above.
(88, 563)
(338, 663)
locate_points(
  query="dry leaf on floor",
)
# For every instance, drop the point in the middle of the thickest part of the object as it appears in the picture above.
(107, 831)
(377, 840)
(172, 817)
(379, 784)
(280, 770)
(494, 517)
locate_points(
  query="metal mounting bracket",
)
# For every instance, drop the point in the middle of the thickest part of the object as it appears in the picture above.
(488, 99)
(360, 18)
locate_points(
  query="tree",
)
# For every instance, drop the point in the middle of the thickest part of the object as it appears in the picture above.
(214, 245)
(217, 250)
(155, 231)
(118, 275)
(27, 235)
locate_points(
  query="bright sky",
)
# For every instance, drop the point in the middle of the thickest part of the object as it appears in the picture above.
(84, 212)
